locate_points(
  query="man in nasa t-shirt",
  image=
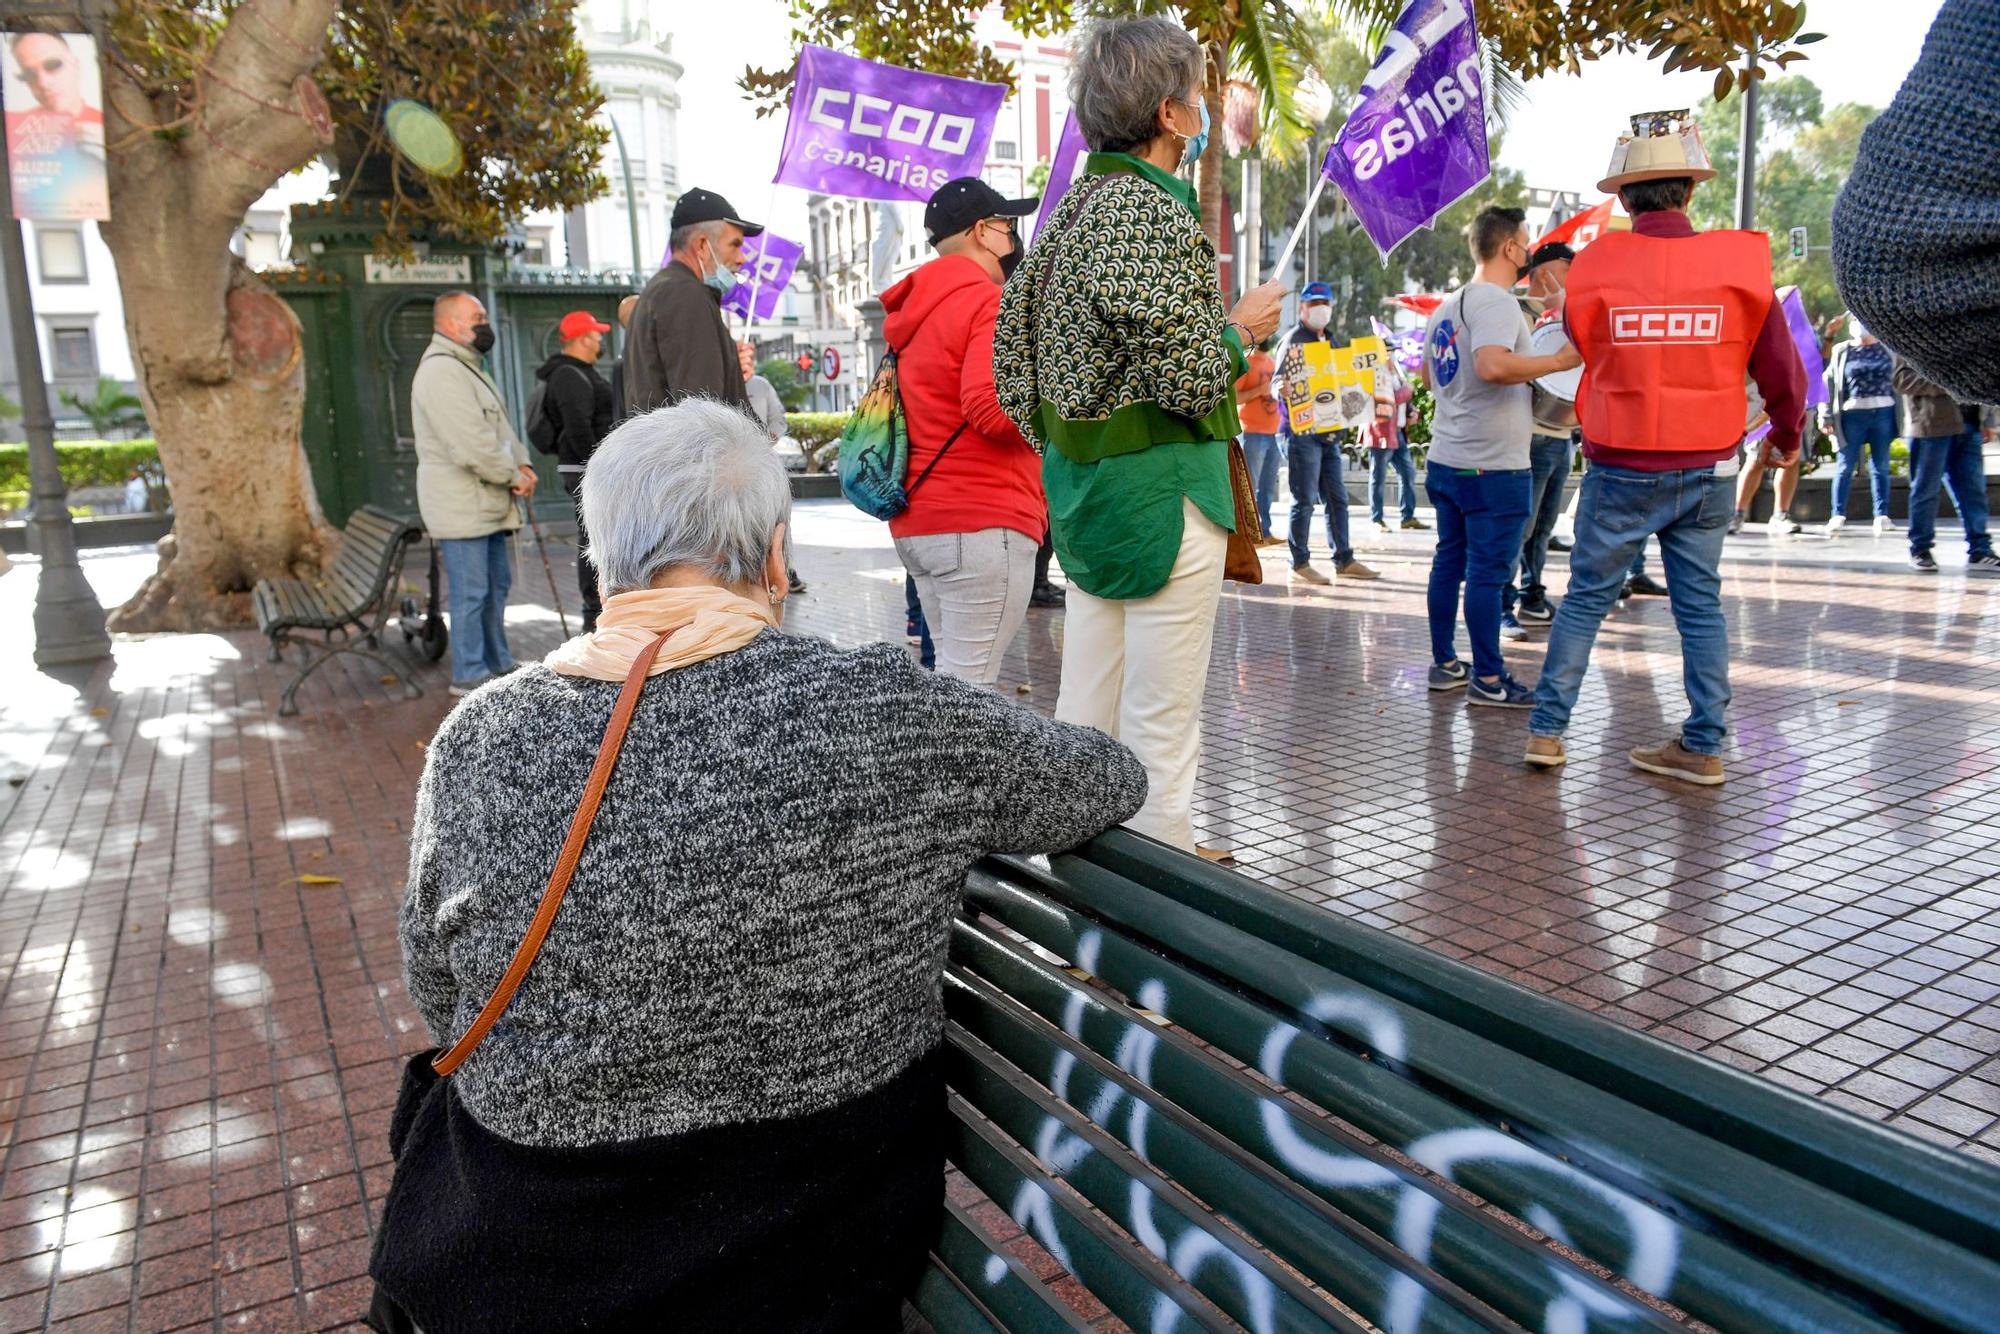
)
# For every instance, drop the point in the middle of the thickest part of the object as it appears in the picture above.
(1668, 320)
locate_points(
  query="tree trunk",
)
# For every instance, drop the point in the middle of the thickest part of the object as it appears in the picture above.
(1213, 216)
(219, 357)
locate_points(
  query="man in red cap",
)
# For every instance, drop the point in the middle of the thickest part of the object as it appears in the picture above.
(578, 413)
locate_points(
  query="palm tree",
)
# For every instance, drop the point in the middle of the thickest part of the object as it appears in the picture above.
(110, 409)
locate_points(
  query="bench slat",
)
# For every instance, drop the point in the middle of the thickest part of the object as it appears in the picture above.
(1690, 1267)
(998, 1281)
(948, 1307)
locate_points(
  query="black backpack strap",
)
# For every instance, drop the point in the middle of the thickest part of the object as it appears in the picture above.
(911, 489)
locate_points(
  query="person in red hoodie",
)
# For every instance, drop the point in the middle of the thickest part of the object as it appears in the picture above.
(976, 511)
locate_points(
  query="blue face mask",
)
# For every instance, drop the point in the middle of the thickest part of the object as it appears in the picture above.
(1199, 144)
(722, 280)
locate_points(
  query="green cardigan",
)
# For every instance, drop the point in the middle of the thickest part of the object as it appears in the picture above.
(1125, 369)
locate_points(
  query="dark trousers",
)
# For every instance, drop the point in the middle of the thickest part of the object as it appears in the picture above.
(1318, 472)
(586, 573)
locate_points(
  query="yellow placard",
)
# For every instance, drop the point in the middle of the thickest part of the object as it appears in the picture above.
(1330, 388)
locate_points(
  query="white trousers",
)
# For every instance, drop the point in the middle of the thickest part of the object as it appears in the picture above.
(1136, 668)
(974, 589)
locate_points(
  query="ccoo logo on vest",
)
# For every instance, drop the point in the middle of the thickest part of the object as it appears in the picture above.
(1641, 325)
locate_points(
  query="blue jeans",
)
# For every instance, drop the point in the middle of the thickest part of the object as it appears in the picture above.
(1549, 459)
(477, 578)
(1480, 519)
(1954, 460)
(1689, 510)
(913, 616)
(1873, 428)
(1318, 470)
(1379, 463)
(1260, 451)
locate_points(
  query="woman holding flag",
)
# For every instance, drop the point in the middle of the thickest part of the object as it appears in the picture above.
(1115, 354)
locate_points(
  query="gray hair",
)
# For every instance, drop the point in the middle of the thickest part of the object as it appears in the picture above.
(681, 237)
(695, 485)
(1120, 72)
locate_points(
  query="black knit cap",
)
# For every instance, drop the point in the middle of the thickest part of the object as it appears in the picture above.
(959, 204)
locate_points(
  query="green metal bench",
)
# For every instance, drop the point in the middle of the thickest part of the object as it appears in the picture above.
(348, 606)
(1217, 1107)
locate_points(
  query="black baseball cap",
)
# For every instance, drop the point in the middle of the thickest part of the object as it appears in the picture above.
(707, 206)
(959, 204)
(1548, 253)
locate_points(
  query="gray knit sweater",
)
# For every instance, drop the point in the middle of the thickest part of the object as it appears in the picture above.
(758, 923)
(1916, 230)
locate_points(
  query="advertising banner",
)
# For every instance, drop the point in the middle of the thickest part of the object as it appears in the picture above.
(55, 128)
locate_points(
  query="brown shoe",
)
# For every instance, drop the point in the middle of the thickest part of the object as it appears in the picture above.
(1671, 761)
(1545, 752)
(1306, 574)
(1270, 540)
(1354, 569)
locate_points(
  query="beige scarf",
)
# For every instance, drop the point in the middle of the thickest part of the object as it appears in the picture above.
(712, 621)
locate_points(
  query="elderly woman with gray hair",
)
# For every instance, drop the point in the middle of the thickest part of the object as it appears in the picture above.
(715, 1101)
(1114, 353)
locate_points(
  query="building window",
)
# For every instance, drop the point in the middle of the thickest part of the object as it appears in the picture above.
(60, 251)
(1004, 150)
(72, 352)
(262, 250)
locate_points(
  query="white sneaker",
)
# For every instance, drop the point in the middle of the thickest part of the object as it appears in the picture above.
(1835, 524)
(1884, 524)
(1783, 525)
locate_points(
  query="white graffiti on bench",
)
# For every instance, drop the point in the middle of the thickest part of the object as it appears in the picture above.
(1655, 1238)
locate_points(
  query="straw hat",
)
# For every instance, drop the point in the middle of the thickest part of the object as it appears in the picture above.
(1662, 145)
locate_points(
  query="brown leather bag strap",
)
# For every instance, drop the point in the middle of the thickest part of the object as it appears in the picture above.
(572, 851)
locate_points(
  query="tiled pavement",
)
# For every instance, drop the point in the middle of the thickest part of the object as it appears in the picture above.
(199, 1044)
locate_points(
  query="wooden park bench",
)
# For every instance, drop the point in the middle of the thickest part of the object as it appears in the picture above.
(1216, 1107)
(348, 606)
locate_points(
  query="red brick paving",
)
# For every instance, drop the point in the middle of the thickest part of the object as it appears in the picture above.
(198, 1051)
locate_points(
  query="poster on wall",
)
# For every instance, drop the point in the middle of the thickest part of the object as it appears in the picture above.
(1329, 388)
(54, 98)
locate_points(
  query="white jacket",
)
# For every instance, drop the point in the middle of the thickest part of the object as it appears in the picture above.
(467, 452)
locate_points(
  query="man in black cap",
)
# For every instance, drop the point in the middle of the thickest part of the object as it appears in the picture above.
(677, 345)
(976, 511)
(1551, 450)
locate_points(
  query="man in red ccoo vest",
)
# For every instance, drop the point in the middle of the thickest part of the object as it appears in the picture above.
(1668, 320)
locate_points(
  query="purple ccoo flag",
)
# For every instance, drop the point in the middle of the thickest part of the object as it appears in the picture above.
(871, 131)
(768, 261)
(1799, 324)
(1068, 165)
(1415, 142)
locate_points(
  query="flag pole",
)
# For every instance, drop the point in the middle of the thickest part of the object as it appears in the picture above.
(1312, 205)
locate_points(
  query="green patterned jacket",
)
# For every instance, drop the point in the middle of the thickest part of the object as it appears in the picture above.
(1127, 346)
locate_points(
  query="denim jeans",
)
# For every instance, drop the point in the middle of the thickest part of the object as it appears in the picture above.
(1872, 428)
(1689, 510)
(1549, 459)
(1260, 451)
(1954, 460)
(1318, 471)
(1379, 463)
(974, 588)
(586, 573)
(1480, 519)
(913, 617)
(478, 575)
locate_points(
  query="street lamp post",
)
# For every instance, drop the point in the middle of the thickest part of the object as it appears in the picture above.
(1746, 161)
(631, 198)
(69, 623)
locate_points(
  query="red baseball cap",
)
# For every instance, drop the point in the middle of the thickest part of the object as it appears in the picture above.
(580, 322)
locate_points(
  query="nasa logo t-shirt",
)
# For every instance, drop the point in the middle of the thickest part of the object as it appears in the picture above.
(1477, 425)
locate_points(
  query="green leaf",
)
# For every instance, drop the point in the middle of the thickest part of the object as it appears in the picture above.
(1808, 38)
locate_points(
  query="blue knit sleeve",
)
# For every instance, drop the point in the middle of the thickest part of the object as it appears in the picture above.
(1916, 230)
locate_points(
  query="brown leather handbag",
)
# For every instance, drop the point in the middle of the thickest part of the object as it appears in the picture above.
(1241, 562)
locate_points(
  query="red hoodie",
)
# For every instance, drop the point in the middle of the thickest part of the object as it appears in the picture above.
(941, 324)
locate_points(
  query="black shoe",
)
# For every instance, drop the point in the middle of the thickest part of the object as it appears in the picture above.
(1646, 586)
(793, 582)
(1046, 595)
(1536, 610)
(1923, 560)
(1557, 544)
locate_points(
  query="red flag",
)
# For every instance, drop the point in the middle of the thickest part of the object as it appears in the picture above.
(1585, 227)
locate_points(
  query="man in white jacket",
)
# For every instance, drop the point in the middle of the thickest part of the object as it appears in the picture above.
(471, 467)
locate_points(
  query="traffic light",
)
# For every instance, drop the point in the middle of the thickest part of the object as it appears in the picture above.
(1799, 243)
(806, 362)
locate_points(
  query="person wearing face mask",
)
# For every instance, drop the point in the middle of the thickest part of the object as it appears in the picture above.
(678, 345)
(1479, 361)
(1314, 462)
(1115, 350)
(1860, 414)
(471, 467)
(976, 512)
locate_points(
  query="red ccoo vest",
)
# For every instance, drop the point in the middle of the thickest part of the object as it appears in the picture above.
(1666, 326)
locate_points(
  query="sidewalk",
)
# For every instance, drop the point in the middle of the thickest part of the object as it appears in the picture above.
(203, 1020)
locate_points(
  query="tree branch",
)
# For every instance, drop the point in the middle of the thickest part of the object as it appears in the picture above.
(264, 48)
